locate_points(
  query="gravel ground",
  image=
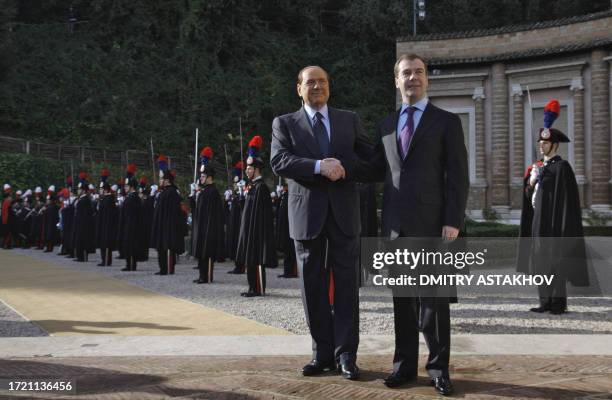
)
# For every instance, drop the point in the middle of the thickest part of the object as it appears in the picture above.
(13, 324)
(282, 306)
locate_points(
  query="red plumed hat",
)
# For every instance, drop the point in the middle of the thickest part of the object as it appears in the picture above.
(253, 153)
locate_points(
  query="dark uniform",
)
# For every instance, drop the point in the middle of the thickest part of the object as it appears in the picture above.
(207, 244)
(232, 230)
(19, 211)
(169, 222)
(64, 200)
(131, 230)
(50, 220)
(256, 247)
(68, 226)
(7, 217)
(146, 213)
(25, 217)
(107, 222)
(551, 209)
(284, 242)
(83, 236)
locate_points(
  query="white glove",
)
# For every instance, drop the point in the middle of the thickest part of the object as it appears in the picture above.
(192, 187)
(535, 171)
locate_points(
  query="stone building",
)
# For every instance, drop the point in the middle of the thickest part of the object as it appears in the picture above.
(499, 80)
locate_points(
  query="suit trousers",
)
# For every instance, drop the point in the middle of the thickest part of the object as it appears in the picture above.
(432, 316)
(333, 319)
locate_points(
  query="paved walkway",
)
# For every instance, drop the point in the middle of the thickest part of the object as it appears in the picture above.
(66, 302)
(474, 377)
(291, 345)
(114, 340)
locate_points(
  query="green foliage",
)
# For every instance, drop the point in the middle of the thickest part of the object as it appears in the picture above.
(595, 218)
(138, 69)
(494, 229)
(598, 231)
(22, 171)
(490, 215)
(490, 229)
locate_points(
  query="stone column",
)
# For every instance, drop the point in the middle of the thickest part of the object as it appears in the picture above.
(478, 187)
(600, 172)
(579, 151)
(500, 140)
(518, 144)
(480, 133)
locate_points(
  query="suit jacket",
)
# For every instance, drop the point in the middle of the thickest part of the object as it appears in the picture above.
(429, 187)
(294, 155)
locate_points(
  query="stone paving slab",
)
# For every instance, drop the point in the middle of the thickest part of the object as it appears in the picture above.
(289, 345)
(474, 377)
(66, 302)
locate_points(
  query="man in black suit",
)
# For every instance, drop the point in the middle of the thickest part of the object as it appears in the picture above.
(315, 149)
(422, 159)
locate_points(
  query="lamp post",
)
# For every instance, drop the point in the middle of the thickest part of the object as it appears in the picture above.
(418, 10)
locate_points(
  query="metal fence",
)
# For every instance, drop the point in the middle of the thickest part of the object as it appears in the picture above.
(98, 155)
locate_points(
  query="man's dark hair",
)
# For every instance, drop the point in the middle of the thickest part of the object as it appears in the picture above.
(410, 57)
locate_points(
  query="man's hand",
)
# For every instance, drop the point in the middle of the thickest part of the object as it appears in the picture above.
(332, 169)
(449, 233)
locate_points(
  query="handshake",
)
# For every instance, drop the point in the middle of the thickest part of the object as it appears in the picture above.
(332, 169)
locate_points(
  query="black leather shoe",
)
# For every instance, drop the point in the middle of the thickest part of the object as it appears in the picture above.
(540, 309)
(316, 367)
(101, 265)
(558, 311)
(349, 370)
(442, 386)
(160, 273)
(251, 294)
(199, 281)
(396, 379)
(126, 269)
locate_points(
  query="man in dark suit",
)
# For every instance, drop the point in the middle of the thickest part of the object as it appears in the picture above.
(422, 159)
(315, 149)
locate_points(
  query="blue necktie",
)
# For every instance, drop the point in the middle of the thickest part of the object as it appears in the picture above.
(321, 134)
